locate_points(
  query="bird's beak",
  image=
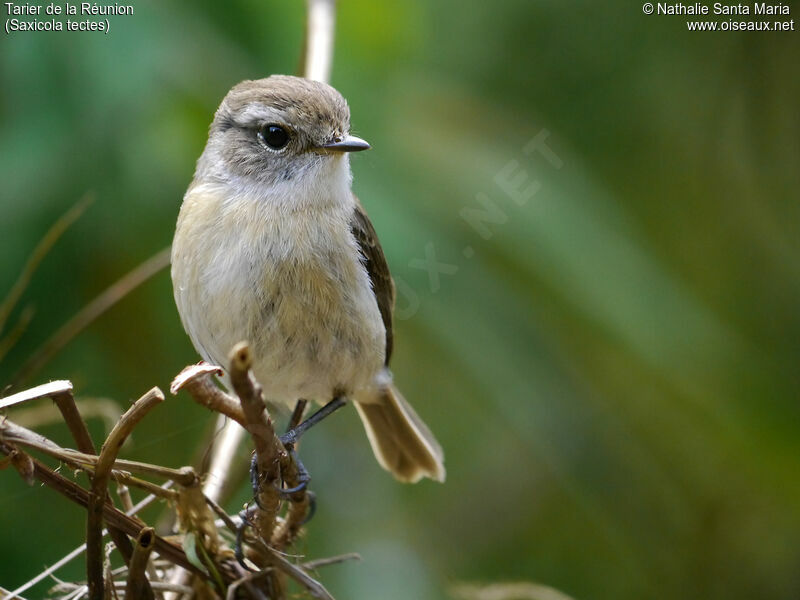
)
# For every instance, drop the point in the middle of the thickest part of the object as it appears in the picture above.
(348, 143)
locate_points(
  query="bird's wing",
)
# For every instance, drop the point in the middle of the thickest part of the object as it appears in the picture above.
(377, 269)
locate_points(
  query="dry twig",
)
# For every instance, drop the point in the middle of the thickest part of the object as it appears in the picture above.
(268, 447)
(208, 564)
(97, 496)
(90, 313)
(38, 254)
(137, 584)
(196, 379)
(77, 552)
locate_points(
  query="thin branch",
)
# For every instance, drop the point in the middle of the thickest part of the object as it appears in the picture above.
(160, 586)
(20, 436)
(276, 465)
(5, 594)
(47, 390)
(226, 518)
(74, 421)
(313, 565)
(38, 254)
(124, 495)
(15, 434)
(114, 441)
(268, 447)
(40, 414)
(90, 313)
(47, 572)
(111, 515)
(125, 478)
(136, 585)
(248, 578)
(196, 379)
(228, 437)
(314, 587)
(79, 550)
(185, 476)
(77, 427)
(17, 331)
(318, 51)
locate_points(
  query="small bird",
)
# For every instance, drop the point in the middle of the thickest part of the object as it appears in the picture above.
(273, 247)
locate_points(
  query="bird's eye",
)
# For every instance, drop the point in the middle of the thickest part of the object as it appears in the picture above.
(273, 136)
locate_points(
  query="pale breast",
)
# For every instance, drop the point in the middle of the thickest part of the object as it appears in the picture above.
(292, 284)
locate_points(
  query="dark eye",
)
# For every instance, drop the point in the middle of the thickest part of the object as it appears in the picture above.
(274, 136)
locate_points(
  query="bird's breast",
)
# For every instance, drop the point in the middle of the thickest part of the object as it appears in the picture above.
(291, 283)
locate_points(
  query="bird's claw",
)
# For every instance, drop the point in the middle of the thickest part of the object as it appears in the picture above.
(237, 549)
(286, 493)
(312, 507)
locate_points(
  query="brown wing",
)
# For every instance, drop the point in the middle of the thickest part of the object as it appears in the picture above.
(377, 269)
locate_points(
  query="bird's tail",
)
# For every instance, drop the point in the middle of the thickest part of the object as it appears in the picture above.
(402, 443)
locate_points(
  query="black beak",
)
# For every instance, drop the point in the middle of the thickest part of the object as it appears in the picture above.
(348, 143)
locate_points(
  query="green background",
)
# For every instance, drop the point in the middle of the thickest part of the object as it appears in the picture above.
(613, 373)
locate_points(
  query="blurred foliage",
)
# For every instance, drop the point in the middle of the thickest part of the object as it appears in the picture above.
(613, 372)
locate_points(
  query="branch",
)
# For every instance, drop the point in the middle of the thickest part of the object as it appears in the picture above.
(196, 380)
(38, 254)
(137, 580)
(77, 551)
(312, 565)
(21, 436)
(47, 390)
(112, 445)
(75, 423)
(79, 431)
(268, 447)
(90, 313)
(75, 493)
(314, 587)
(318, 51)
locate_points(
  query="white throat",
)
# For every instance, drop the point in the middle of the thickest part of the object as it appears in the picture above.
(324, 187)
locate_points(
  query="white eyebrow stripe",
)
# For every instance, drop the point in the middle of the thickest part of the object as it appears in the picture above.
(259, 113)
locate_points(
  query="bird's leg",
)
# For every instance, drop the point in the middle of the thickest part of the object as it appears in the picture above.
(254, 479)
(297, 414)
(312, 507)
(303, 477)
(291, 437)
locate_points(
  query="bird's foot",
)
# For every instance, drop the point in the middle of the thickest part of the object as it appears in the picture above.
(301, 479)
(238, 550)
(298, 492)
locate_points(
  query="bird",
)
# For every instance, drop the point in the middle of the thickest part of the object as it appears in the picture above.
(273, 247)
